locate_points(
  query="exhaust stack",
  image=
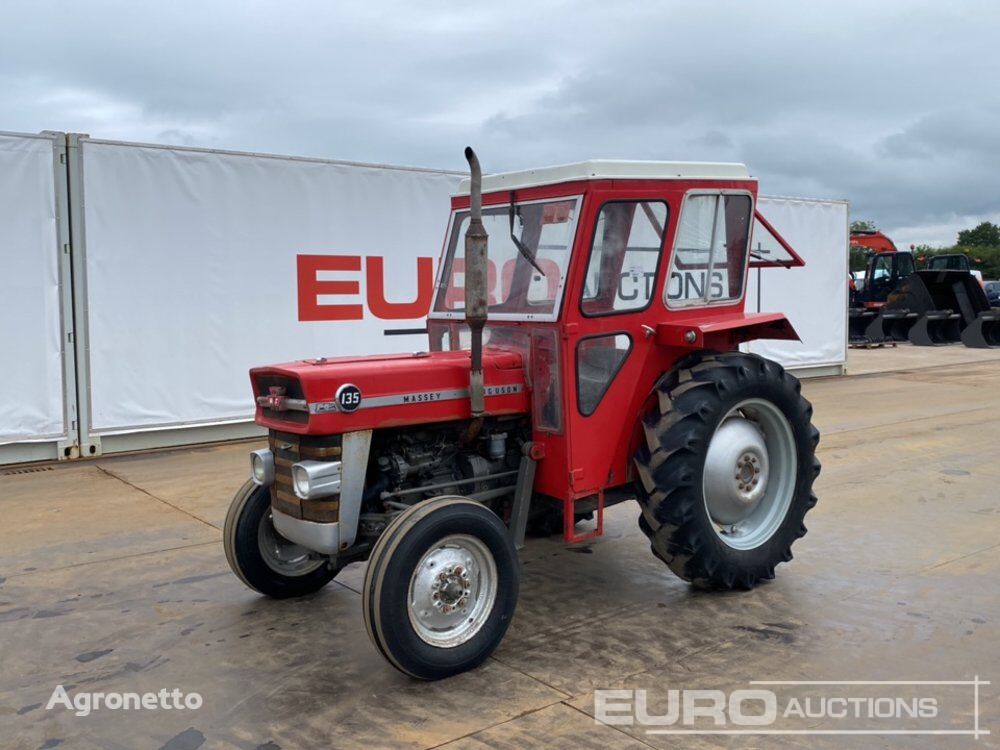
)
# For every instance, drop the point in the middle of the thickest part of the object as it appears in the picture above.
(475, 281)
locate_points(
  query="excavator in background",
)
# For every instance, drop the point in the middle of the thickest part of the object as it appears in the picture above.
(942, 304)
(886, 267)
(873, 240)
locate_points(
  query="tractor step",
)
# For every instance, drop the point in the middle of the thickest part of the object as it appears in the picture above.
(569, 518)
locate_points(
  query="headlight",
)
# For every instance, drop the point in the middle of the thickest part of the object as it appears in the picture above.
(313, 479)
(262, 467)
(300, 481)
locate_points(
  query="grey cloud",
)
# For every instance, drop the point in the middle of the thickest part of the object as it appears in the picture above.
(892, 105)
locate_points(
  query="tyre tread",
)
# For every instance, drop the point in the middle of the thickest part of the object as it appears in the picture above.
(677, 431)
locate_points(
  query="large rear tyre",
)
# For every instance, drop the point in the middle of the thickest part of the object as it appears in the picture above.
(262, 558)
(727, 468)
(441, 587)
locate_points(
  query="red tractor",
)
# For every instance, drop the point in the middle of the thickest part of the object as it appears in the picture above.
(592, 358)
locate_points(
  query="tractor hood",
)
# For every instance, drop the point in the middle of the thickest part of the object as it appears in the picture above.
(343, 394)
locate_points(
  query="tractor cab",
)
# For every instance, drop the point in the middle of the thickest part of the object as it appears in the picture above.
(949, 262)
(600, 275)
(884, 272)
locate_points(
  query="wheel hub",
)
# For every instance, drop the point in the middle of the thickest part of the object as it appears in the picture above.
(750, 472)
(281, 555)
(452, 591)
(736, 471)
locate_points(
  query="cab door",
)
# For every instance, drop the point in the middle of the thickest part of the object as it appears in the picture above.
(607, 344)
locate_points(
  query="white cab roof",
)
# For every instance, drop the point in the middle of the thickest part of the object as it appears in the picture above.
(609, 169)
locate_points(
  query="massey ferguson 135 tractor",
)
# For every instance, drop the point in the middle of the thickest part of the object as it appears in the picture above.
(591, 358)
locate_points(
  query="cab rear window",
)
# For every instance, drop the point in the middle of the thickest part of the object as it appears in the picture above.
(709, 258)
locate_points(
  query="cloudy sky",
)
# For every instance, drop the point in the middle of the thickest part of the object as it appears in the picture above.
(892, 105)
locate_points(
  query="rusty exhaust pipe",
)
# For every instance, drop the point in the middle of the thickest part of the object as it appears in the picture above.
(475, 282)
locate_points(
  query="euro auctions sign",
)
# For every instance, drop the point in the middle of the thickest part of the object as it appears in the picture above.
(356, 287)
(324, 278)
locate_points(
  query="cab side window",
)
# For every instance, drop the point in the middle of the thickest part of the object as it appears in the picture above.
(883, 270)
(598, 360)
(905, 264)
(624, 257)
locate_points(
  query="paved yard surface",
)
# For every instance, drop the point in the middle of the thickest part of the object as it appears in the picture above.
(112, 578)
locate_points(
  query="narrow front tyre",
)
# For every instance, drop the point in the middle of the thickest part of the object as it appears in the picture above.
(262, 558)
(441, 587)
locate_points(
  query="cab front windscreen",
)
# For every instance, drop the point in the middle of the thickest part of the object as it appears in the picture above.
(529, 251)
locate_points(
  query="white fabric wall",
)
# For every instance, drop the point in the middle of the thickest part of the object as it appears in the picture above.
(191, 270)
(814, 297)
(30, 329)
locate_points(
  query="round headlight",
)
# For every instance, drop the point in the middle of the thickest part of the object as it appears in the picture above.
(258, 469)
(262, 467)
(300, 479)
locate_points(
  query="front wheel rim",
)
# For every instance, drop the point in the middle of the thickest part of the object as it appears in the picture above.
(750, 469)
(452, 591)
(281, 555)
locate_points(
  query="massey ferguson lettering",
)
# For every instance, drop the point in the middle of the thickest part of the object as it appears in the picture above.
(417, 398)
(502, 390)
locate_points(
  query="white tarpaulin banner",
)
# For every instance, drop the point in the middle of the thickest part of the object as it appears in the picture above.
(813, 297)
(32, 407)
(203, 264)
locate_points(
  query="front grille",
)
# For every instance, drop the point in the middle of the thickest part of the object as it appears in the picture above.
(293, 390)
(289, 449)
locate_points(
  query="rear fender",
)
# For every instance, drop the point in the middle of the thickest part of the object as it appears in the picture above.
(724, 332)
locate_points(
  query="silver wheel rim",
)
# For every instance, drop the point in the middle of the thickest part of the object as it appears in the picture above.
(452, 591)
(282, 556)
(749, 477)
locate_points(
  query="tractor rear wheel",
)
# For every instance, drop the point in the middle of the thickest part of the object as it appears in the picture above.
(261, 557)
(441, 587)
(726, 469)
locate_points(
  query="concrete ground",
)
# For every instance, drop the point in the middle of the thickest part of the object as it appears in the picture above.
(113, 579)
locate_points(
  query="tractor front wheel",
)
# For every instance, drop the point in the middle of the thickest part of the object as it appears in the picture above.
(441, 587)
(262, 558)
(727, 468)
